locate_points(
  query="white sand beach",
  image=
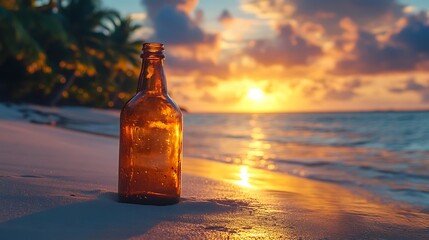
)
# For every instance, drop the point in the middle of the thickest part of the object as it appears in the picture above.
(61, 184)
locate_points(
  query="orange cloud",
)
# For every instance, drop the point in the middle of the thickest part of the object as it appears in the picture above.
(287, 49)
(225, 18)
(406, 50)
(305, 54)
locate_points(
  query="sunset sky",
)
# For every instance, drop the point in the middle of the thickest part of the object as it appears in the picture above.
(290, 55)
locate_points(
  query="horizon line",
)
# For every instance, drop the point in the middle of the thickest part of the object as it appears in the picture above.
(317, 111)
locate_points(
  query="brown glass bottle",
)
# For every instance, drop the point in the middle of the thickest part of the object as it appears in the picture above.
(150, 148)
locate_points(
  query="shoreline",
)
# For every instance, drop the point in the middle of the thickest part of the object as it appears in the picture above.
(356, 188)
(258, 185)
(55, 181)
(85, 120)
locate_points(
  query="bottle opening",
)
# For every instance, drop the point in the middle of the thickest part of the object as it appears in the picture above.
(153, 50)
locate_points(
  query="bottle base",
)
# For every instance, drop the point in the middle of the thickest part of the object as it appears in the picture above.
(148, 199)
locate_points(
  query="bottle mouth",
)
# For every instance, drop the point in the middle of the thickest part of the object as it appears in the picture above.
(153, 50)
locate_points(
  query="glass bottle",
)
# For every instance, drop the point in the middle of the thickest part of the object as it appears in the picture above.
(150, 149)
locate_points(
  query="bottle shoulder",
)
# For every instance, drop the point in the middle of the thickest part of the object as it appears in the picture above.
(157, 106)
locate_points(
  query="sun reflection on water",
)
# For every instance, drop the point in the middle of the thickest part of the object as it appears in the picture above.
(244, 177)
(257, 152)
(257, 133)
(255, 155)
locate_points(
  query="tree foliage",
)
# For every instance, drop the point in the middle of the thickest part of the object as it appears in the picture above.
(74, 53)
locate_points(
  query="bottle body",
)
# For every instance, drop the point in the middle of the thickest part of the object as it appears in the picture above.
(150, 152)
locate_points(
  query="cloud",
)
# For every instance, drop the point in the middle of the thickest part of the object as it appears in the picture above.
(137, 16)
(189, 66)
(304, 51)
(173, 24)
(346, 92)
(191, 51)
(403, 51)
(366, 13)
(369, 37)
(369, 57)
(223, 99)
(287, 49)
(334, 89)
(153, 6)
(206, 81)
(199, 16)
(175, 27)
(201, 74)
(412, 85)
(415, 35)
(207, 97)
(226, 18)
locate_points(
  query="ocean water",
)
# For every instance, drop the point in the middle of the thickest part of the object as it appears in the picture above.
(386, 153)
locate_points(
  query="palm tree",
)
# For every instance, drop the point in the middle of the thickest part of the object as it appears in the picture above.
(27, 27)
(119, 48)
(28, 31)
(54, 49)
(122, 55)
(87, 25)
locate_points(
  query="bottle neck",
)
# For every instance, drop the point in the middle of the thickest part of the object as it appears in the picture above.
(152, 79)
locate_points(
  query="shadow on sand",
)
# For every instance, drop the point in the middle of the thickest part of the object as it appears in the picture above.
(103, 218)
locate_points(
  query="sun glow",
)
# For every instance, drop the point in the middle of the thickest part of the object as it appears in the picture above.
(255, 94)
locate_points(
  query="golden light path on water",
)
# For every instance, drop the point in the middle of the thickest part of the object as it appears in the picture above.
(256, 155)
(244, 177)
(311, 199)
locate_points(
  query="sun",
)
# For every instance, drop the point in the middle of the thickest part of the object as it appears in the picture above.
(255, 94)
